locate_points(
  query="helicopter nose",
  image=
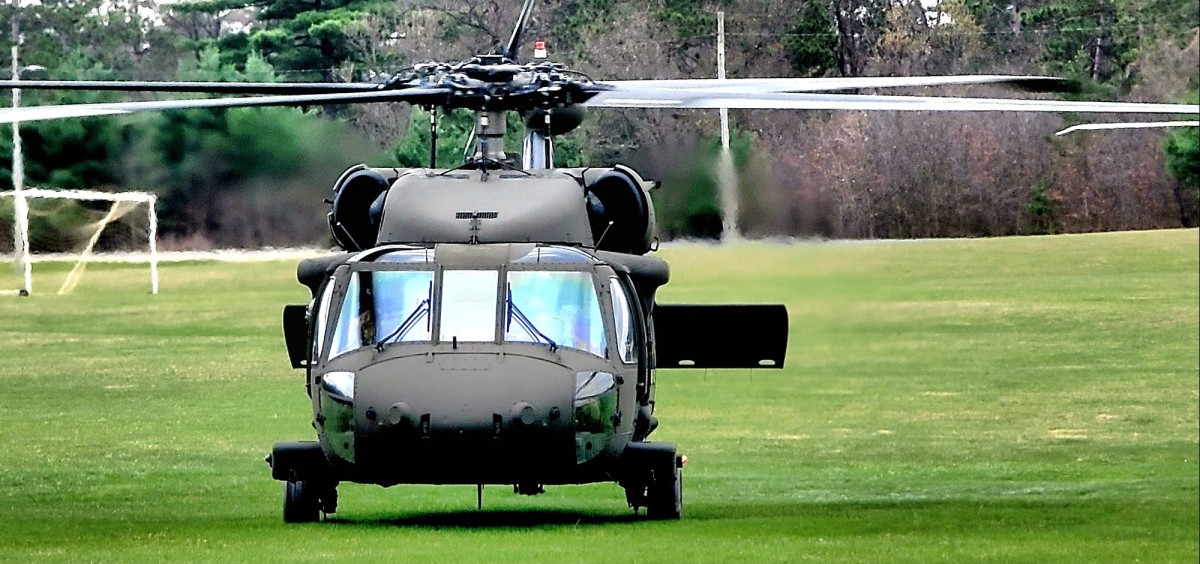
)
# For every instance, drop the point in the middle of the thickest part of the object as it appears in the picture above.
(464, 396)
(440, 421)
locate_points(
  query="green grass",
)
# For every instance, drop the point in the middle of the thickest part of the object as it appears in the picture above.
(1008, 400)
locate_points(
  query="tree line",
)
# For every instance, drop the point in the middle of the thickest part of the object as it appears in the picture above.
(253, 177)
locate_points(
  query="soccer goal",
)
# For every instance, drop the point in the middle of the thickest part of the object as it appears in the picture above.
(122, 203)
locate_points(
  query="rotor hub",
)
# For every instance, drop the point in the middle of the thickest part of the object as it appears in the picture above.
(494, 83)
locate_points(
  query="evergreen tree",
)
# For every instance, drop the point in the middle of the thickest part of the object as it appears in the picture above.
(196, 158)
(812, 41)
(306, 39)
(1086, 39)
(1182, 148)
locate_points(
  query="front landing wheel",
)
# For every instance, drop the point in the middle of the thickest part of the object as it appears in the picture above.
(301, 502)
(664, 497)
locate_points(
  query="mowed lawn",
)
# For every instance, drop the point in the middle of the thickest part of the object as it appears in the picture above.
(1006, 400)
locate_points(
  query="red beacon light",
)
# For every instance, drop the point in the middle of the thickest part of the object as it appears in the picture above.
(539, 49)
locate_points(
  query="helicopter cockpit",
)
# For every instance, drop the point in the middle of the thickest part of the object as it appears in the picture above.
(542, 295)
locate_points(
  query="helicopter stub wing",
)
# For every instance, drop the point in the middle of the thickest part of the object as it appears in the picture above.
(704, 98)
(37, 113)
(720, 336)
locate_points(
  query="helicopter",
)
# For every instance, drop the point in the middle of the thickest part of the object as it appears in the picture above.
(495, 322)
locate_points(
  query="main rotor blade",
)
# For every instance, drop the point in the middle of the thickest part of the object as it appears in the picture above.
(197, 87)
(699, 99)
(1133, 125)
(514, 42)
(756, 85)
(36, 113)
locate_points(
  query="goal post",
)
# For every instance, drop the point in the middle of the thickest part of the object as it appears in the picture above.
(121, 201)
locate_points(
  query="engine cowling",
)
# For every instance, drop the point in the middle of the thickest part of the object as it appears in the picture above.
(356, 207)
(620, 210)
(373, 206)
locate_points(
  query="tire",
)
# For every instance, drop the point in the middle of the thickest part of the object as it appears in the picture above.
(665, 495)
(301, 503)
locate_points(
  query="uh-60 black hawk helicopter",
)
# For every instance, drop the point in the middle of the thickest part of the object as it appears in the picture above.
(496, 322)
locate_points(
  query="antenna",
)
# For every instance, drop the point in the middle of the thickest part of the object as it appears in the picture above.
(351, 237)
(514, 42)
(433, 122)
(603, 235)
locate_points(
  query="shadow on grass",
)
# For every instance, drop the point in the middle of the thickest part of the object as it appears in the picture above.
(824, 519)
(497, 519)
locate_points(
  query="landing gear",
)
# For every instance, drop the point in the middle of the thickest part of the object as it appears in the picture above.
(307, 492)
(664, 496)
(653, 479)
(304, 501)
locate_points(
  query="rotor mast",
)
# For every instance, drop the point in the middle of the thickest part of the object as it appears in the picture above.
(537, 147)
(490, 126)
(537, 150)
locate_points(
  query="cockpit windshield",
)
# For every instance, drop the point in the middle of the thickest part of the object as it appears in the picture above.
(384, 307)
(403, 305)
(559, 306)
(468, 305)
(390, 306)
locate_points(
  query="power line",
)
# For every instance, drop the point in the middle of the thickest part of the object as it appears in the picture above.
(951, 30)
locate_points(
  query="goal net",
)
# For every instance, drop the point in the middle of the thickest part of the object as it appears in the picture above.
(85, 236)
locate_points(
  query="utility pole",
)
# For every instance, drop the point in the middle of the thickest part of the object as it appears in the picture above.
(720, 76)
(727, 182)
(20, 206)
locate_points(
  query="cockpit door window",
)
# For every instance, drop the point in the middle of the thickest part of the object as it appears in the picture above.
(347, 335)
(321, 315)
(623, 318)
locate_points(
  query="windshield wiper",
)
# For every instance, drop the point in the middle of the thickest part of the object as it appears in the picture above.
(419, 312)
(528, 325)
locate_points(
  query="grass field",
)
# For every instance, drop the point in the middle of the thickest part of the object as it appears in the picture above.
(1007, 400)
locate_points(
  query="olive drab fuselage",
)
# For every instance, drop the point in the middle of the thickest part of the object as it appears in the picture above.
(497, 327)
